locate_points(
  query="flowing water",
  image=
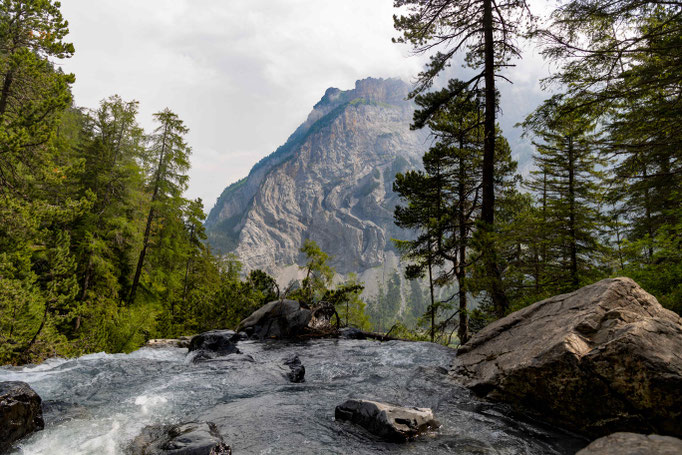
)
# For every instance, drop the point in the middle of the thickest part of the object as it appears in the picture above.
(98, 403)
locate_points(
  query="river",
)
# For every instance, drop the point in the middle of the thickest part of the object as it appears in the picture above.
(98, 403)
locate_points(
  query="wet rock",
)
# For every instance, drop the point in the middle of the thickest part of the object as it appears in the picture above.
(192, 438)
(277, 319)
(634, 444)
(297, 373)
(59, 411)
(182, 342)
(212, 344)
(393, 423)
(604, 358)
(351, 333)
(20, 412)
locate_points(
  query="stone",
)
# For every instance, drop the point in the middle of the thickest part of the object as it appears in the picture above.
(297, 373)
(633, 444)
(392, 423)
(182, 342)
(277, 319)
(20, 412)
(352, 333)
(191, 438)
(212, 344)
(602, 359)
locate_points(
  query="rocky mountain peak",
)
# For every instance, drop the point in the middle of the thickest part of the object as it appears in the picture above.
(330, 182)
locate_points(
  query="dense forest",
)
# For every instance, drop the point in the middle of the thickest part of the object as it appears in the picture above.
(100, 250)
(604, 197)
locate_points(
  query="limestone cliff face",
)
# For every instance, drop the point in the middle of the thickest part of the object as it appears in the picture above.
(330, 182)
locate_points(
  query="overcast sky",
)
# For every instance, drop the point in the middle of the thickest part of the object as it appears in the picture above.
(243, 74)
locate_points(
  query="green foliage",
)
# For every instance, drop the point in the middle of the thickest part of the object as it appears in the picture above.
(316, 288)
(85, 195)
(384, 309)
(318, 274)
(443, 203)
(351, 308)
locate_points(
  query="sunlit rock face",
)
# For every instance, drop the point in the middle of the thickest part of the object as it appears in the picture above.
(330, 182)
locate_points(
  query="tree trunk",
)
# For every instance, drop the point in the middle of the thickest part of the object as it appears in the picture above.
(500, 301)
(150, 218)
(575, 281)
(433, 315)
(4, 96)
(463, 330)
(647, 214)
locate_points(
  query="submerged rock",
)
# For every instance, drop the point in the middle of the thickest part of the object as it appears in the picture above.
(393, 423)
(604, 358)
(277, 319)
(297, 373)
(633, 444)
(192, 438)
(215, 343)
(20, 412)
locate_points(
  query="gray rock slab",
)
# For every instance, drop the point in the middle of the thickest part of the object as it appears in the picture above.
(393, 423)
(633, 444)
(602, 359)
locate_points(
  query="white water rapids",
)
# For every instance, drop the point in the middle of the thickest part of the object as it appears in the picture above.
(98, 403)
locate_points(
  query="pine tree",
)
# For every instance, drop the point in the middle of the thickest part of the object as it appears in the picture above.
(33, 93)
(170, 158)
(571, 198)
(486, 31)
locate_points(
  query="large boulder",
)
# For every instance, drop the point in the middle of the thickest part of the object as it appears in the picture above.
(277, 319)
(633, 444)
(192, 438)
(393, 423)
(20, 412)
(604, 358)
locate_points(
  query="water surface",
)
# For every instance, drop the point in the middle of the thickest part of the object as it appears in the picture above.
(98, 403)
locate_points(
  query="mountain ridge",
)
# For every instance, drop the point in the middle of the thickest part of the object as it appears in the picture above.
(331, 182)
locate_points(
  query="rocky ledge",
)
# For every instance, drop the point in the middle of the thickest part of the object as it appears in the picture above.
(602, 359)
(277, 319)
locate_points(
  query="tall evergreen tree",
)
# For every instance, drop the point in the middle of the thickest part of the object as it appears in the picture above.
(486, 31)
(34, 93)
(169, 155)
(571, 193)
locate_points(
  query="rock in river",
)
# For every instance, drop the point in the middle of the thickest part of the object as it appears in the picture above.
(393, 423)
(297, 370)
(633, 444)
(192, 438)
(181, 342)
(214, 343)
(604, 358)
(20, 412)
(277, 319)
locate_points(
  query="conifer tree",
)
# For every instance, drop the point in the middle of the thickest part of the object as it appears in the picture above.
(486, 32)
(33, 93)
(571, 198)
(169, 155)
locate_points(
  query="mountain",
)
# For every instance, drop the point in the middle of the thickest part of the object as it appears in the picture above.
(330, 182)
